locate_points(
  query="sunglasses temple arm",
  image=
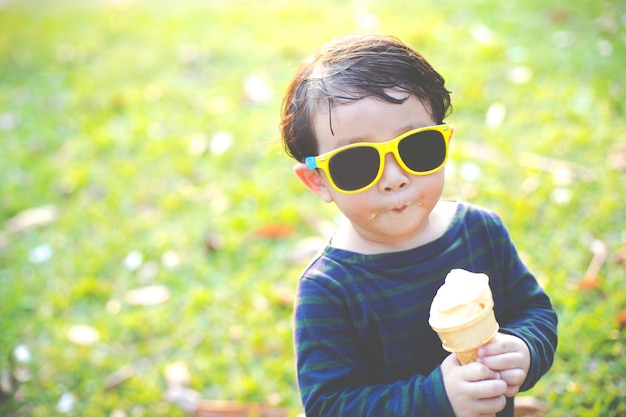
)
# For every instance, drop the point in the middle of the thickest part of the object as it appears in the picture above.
(310, 162)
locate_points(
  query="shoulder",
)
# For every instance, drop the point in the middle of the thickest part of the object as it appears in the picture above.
(327, 268)
(479, 225)
(474, 214)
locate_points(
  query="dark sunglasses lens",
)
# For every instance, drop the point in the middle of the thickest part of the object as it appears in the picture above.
(354, 168)
(423, 151)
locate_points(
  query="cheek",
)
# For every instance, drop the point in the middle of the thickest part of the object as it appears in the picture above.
(359, 205)
(438, 184)
(434, 182)
(428, 185)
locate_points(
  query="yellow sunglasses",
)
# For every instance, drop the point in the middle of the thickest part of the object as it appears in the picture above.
(357, 167)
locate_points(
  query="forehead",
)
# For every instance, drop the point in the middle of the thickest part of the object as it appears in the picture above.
(367, 119)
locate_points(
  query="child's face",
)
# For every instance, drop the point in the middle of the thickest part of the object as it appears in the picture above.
(396, 209)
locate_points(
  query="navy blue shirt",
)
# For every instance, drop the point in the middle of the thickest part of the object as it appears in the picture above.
(362, 340)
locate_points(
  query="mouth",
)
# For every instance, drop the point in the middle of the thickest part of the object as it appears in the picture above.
(401, 209)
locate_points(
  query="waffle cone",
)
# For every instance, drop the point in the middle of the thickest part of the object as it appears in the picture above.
(465, 339)
(467, 357)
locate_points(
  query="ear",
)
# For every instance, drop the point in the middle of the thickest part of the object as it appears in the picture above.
(313, 181)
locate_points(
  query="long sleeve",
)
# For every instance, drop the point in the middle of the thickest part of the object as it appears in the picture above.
(524, 309)
(332, 366)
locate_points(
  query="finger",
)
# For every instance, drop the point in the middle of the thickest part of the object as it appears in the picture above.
(490, 388)
(513, 376)
(514, 379)
(501, 343)
(490, 405)
(503, 361)
(512, 391)
(495, 347)
(477, 371)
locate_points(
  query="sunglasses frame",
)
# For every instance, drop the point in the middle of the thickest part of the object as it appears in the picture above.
(383, 148)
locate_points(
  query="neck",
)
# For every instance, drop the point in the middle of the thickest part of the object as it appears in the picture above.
(349, 237)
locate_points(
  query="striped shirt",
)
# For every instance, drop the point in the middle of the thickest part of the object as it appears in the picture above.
(362, 340)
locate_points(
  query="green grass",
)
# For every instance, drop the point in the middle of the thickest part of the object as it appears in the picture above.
(112, 113)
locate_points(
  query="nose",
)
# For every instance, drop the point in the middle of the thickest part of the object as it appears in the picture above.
(394, 176)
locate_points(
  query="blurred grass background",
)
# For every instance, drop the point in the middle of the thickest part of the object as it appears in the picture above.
(145, 132)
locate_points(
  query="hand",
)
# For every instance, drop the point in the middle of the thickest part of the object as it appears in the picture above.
(509, 356)
(473, 390)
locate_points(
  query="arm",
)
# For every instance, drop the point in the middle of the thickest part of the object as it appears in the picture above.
(528, 323)
(334, 376)
(536, 326)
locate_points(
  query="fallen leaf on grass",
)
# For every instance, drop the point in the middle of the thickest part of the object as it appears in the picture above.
(177, 377)
(27, 219)
(575, 387)
(213, 241)
(126, 372)
(529, 407)
(274, 230)
(8, 384)
(590, 280)
(191, 402)
(118, 413)
(559, 16)
(150, 295)
(283, 296)
(588, 283)
(620, 257)
(184, 397)
(83, 335)
(216, 408)
(30, 218)
(118, 377)
(621, 319)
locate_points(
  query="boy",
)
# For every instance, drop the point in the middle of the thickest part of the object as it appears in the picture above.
(364, 118)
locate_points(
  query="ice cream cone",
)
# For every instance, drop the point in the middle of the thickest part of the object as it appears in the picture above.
(462, 314)
(465, 339)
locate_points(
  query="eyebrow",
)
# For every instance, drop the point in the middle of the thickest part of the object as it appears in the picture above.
(397, 132)
(330, 118)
